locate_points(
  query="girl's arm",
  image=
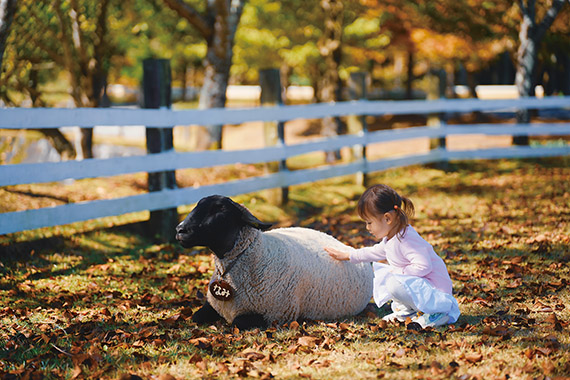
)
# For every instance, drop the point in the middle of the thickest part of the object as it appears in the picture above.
(337, 255)
(361, 255)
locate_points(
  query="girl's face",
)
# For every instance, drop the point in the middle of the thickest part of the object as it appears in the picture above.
(380, 226)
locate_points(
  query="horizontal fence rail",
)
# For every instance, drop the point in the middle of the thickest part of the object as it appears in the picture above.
(14, 118)
(57, 171)
(27, 118)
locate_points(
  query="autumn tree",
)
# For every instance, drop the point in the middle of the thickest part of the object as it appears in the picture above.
(69, 36)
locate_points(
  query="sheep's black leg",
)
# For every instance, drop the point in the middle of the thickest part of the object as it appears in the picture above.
(206, 314)
(250, 321)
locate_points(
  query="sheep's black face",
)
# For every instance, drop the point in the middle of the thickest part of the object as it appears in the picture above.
(213, 223)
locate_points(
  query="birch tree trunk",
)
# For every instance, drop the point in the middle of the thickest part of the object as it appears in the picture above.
(218, 26)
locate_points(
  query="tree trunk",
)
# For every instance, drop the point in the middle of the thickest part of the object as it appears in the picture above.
(213, 91)
(330, 48)
(218, 27)
(7, 12)
(530, 35)
(57, 139)
(410, 76)
(95, 79)
(526, 62)
(60, 143)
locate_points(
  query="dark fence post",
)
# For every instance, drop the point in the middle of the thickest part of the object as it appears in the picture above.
(270, 83)
(437, 91)
(357, 124)
(157, 94)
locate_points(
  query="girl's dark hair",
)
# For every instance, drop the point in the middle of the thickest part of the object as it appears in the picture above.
(380, 199)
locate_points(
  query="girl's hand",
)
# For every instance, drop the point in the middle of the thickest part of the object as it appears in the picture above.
(337, 255)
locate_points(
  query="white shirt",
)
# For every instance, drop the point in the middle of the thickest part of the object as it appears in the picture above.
(409, 255)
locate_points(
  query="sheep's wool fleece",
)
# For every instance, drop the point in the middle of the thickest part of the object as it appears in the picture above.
(285, 274)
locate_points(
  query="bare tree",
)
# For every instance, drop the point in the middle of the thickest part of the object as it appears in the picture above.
(217, 25)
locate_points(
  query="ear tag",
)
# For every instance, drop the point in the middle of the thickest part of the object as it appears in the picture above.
(221, 290)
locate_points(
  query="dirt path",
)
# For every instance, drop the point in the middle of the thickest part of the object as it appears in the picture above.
(250, 136)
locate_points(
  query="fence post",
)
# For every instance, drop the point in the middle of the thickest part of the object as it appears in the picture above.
(357, 124)
(437, 91)
(270, 83)
(157, 94)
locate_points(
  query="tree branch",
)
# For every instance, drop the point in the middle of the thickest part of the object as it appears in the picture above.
(531, 8)
(523, 8)
(7, 12)
(236, 9)
(77, 36)
(192, 15)
(68, 52)
(549, 18)
(42, 30)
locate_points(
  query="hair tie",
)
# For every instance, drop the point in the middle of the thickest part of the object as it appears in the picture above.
(395, 207)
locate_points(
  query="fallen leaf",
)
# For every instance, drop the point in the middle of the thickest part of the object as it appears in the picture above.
(172, 320)
(482, 302)
(166, 376)
(435, 368)
(543, 350)
(252, 355)
(548, 367)
(400, 352)
(293, 349)
(496, 331)
(76, 372)
(195, 358)
(128, 376)
(308, 341)
(473, 358)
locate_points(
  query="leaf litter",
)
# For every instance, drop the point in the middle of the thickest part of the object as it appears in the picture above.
(120, 314)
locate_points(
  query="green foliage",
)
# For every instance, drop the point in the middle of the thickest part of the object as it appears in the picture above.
(284, 34)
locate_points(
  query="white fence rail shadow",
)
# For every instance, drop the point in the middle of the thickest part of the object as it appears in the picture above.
(19, 118)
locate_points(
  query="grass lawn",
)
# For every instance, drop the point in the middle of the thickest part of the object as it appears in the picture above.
(109, 303)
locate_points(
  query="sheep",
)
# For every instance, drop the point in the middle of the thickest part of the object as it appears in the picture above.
(278, 276)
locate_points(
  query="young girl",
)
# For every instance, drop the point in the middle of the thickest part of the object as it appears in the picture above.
(415, 278)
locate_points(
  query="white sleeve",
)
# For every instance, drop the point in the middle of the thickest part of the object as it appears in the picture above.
(369, 254)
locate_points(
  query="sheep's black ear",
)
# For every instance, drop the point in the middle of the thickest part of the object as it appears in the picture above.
(248, 218)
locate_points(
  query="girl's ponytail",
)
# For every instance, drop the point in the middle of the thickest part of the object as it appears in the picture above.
(404, 213)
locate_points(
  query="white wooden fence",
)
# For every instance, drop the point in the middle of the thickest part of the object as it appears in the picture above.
(20, 118)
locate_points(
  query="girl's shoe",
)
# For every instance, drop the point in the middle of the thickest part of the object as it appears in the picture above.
(400, 316)
(432, 320)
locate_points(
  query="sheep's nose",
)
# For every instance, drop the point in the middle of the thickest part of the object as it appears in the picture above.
(184, 228)
(181, 228)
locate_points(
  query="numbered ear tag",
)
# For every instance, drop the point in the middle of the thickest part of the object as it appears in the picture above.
(221, 290)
